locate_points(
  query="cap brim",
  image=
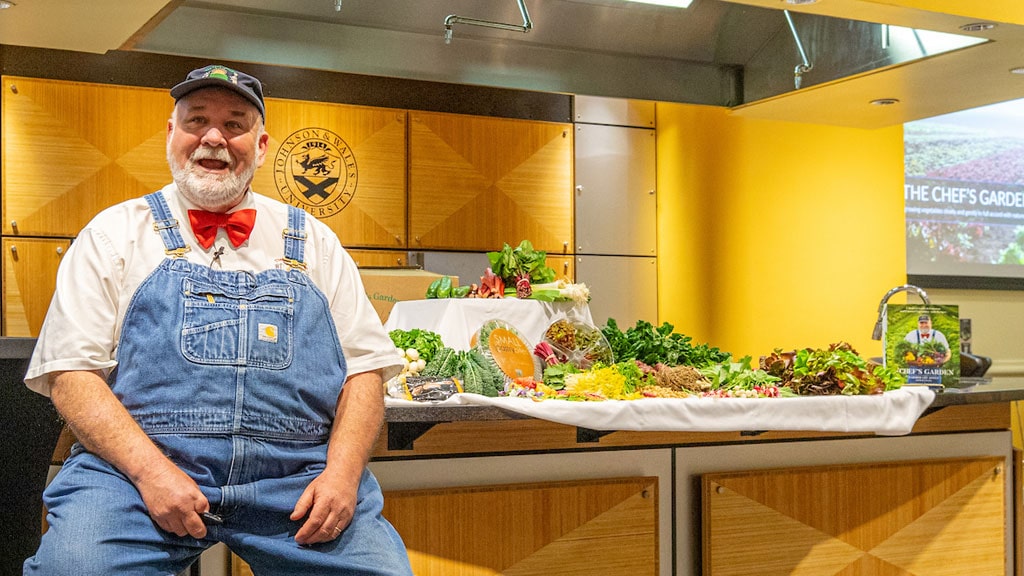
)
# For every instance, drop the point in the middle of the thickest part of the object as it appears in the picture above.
(189, 86)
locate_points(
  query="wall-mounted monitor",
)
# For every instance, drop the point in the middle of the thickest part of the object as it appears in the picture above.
(964, 198)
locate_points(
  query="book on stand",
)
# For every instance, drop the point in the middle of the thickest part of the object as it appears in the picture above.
(922, 341)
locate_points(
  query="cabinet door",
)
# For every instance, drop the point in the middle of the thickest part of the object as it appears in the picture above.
(622, 287)
(476, 182)
(616, 201)
(71, 149)
(30, 275)
(379, 258)
(345, 165)
(927, 517)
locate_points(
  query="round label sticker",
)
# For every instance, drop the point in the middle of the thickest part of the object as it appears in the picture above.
(510, 353)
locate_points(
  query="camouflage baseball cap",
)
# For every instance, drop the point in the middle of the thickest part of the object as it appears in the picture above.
(216, 75)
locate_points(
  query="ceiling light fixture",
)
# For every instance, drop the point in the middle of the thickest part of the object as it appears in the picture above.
(977, 27)
(673, 3)
(800, 2)
(1017, 70)
(5, 4)
(885, 101)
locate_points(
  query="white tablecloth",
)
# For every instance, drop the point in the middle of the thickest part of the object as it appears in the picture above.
(892, 413)
(457, 319)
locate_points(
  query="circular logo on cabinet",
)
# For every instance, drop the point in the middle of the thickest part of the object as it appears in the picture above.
(316, 170)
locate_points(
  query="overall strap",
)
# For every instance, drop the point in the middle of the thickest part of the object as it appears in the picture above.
(295, 238)
(166, 225)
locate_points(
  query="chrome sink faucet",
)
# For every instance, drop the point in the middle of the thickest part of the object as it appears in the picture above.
(877, 333)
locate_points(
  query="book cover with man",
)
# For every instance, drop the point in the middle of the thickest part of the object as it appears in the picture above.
(922, 341)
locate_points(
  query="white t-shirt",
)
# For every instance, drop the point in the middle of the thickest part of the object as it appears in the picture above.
(119, 248)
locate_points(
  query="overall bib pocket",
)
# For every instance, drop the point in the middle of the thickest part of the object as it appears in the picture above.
(222, 327)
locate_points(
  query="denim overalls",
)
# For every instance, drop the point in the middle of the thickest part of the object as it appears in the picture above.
(235, 376)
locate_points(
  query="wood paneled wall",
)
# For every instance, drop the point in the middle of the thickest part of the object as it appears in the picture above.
(477, 182)
(384, 179)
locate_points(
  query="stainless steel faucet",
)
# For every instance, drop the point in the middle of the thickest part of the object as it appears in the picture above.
(877, 333)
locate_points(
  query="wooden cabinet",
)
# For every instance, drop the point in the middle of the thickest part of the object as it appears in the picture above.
(917, 517)
(603, 526)
(380, 258)
(477, 182)
(30, 275)
(345, 165)
(71, 149)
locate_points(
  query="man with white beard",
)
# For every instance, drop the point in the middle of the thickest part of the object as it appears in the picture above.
(217, 358)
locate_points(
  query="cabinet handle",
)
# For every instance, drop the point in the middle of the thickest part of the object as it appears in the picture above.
(579, 189)
(14, 250)
(60, 250)
(14, 226)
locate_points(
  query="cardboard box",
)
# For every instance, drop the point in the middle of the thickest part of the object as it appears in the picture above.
(385, 286)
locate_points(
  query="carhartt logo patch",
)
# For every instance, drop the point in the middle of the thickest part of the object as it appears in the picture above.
(268, 333)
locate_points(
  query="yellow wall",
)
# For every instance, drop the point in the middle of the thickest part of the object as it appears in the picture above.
(776, 234)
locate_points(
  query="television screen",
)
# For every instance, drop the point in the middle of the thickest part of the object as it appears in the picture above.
(964, 198)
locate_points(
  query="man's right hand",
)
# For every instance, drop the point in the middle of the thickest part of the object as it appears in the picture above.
(173, 499)
(103, 425)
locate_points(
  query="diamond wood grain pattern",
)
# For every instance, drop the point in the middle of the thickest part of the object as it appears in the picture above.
(476, 183)
(371, 143)
(30, 275)
(71, 149)
(904, 519)
(606, 527)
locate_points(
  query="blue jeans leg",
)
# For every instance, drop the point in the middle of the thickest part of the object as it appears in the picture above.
(370, 546)
(99, 526)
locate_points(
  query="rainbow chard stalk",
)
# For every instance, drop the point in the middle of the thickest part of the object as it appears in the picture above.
(521, 267)
(523, 289)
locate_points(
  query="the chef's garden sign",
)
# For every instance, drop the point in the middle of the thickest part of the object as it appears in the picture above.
(316, 170)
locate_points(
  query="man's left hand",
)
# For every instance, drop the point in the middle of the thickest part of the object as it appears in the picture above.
(328, 504)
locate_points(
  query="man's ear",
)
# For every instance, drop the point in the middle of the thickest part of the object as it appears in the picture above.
(261, 147)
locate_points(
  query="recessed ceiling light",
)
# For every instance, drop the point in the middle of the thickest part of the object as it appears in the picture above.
(674, 3)
(800, 2)
(885, 101)
(1017, 70)
(5, 4)
(977, 27)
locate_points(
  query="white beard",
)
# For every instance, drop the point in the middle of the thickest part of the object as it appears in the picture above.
(208, 190)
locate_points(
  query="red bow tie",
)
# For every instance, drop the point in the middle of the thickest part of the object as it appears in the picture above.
(238, 225)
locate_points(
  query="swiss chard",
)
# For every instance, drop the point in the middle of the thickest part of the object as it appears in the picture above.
(521, 266)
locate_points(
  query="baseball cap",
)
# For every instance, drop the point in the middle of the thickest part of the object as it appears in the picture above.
(241, 83)
(923, 317)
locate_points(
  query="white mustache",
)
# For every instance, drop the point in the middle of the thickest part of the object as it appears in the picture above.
(205, 153)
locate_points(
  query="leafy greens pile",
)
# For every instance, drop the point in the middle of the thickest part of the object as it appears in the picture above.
(521, 266)
(660, 345)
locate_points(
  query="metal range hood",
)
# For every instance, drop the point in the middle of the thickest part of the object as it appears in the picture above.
(713, 52)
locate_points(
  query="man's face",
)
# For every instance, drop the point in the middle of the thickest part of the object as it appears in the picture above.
(215, 142)
(924, 325)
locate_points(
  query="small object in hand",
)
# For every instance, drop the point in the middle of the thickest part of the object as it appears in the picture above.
(212, 519)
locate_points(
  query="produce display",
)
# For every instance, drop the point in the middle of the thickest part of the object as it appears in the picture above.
(578, 361)
(681, 370)
(656, 363)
